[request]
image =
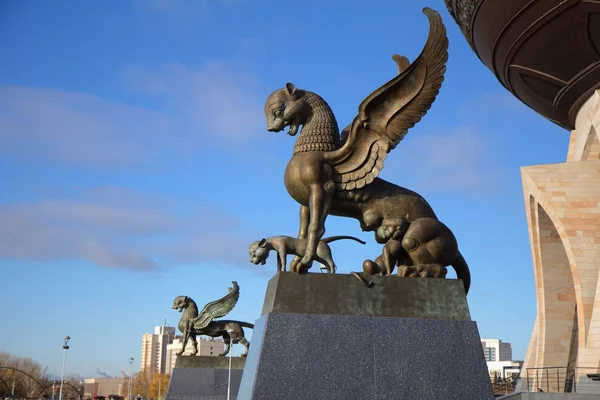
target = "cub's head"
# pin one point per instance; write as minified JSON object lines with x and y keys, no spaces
{"x":286,"y":107}
{"x":180,"y":303}
{"x":392,"y":229}
{"x":258,"y":252}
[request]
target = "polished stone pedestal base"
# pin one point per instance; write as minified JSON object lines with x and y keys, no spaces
{"x":204,"y":378}
{"x":418,"y":355}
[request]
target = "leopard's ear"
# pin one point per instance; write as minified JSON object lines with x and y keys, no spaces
{"x":262,"y":243}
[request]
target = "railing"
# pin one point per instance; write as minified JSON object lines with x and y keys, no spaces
{"x":545,"y":379}
{"x":582,"y":380}
{"x":503,"y":386}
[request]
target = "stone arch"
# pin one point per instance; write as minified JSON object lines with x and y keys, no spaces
{"x":557,"y":292}
{"x":591,"y":149}
{"x":548,"y":210}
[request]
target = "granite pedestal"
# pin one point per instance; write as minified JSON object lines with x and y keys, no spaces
{"x":204,"y":378}
{"x":330,"y":337}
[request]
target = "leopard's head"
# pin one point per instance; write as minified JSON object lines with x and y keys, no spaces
{"x":286,"y":107}
{"x":181,"y":303}
{"x":258,"y":252}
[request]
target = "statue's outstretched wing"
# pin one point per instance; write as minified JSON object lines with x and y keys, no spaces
{"x":218,"y":308}
{"x":387,"y":114}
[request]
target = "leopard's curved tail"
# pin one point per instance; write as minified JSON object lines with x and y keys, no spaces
{"x":240,"y":323}
{"x":462,"y":271}
{"x":334,"y":238}
{"x":246,"y":324}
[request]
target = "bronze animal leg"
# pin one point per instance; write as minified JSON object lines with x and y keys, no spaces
{"x":389,"y":262}
{"x":327,"y":262}
{"x":430,"y":246}
{"x":281,"y":261}
{"x":373,"y":267}
{"x":242,"y":340}
{"x":186,"y":337}
{"x":303,"y":231}
{"x":319,"y":204}
{"x":226,"y":339}
{"x":304,"y":220}
{"x":194,"y":343}
{"x":432,"y":270}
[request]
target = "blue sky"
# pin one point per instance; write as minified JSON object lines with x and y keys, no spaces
{"x":135,"y":165}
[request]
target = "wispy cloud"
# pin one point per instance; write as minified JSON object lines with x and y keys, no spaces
{"x":453,"y":159}
{"x":133,"y":233}
{"x":77,"y":127}
{"x":222,"y":101}
{"x":463,"y":156}
{"x":203,"y":107}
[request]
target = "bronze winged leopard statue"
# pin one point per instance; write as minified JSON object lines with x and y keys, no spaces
{"x":337,"y":173}
{"x":193,"y":323}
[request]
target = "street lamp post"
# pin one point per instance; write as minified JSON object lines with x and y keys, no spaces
{"x":229,"y":331}
{"x":62,"y":375}
{"x":159,"y":379}
{"x":129,"y":386}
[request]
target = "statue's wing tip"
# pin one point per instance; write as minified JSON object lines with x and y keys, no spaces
{"x":432,"y":14}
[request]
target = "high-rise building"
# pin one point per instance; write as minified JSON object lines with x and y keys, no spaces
{"x":154,"y":349}
{"x":206,"y":347}
{"x":496,"y":350}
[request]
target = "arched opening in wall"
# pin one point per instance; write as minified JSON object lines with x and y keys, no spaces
{"x":591,"y":150}
{"x":559,"y":307}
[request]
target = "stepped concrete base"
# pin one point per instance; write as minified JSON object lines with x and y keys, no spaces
{"x":204,"y":378}
{"x":330,"y":337}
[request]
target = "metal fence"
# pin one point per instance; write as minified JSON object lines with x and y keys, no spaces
{"x":582,"y":380}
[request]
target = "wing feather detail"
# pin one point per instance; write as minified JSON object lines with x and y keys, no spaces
{"x":386,"y":115}
{"x":218,"y":308}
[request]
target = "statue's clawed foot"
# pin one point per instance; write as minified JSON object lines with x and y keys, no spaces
{"x":300,"y":265}
{"x":407,"y":271}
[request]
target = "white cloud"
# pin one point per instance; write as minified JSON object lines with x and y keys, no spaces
{"x":203,"y":108}
{"x":135,"y":233}
{"x":454,"y":159}
{"x":224,"y":102}
{"x":461,"y":155}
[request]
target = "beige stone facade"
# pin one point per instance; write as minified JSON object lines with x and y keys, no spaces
{"x":563,"y":215}
{"x":104,"y":387}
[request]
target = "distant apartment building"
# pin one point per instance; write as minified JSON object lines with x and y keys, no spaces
{"x":103,"y":387}
{"x":154,"y":349}
{"x":496,"y":350}
{"x":498,"y":357}
{"x":206,"y":347}
{"x":504,"y":369}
